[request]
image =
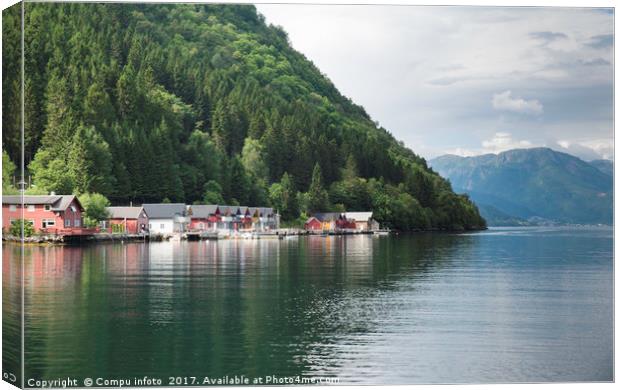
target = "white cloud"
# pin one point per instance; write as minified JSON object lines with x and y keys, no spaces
{"x":505,"y":102}
{"x":504,"y":141}
{"x":500,"y":142}
{"x":462,"y":152}
{"x":588,"y":149}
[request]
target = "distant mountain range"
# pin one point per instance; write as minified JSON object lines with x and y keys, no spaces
{"x":533,"y":186}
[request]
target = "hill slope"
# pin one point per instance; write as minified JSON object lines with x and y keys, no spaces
{"x":536,"y":182}
{"x":203,"y":103}
{"x":605,"y":166}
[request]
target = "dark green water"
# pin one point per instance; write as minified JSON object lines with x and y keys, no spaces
{"x":510,"y":305}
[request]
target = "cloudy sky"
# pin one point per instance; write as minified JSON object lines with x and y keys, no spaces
{"x":468,"y":80}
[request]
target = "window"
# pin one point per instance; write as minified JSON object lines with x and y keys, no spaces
{"x":30,"y":207}
{"x":67,"y":222}
{"x":47,"y":207}
{"x":12,"y":207}
{"x":161,"y":226}
{"x":73,"y":208}
{"x":31,"y":222}
{"x":150,"y":226}
{"x":48,"y":223}
{"x":76,"y":223}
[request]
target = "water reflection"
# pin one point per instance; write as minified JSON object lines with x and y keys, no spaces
{"x":11,"y":313}
{"x":367,"y":309}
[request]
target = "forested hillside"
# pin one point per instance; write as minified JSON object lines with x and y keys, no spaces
{"x":202,"y":103}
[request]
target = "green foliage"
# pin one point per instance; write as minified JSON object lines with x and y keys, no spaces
{"x":213,"y":193}
{"x":253,"y":159}
{"x":161,"y":100}
{"x":118,"y":228}
{"x":8,"y":170}
{"x":34,"y":190}
{"x":50,"y":174}
{"x":283,"y":198}
{"x":89,"y":163}
{"x":318,"y":200}
{"x":239,"y":182}
{"x":94,"y":208}
{"x":16,"y":228}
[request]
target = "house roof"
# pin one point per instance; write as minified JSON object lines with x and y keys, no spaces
{"x":224,"y":210}
{"x":359,"y":215}
{"x":124,"y":212}
{"x":312,"y":218}
{"x":163,"y":210}
{"x":327,"y":216}
{"x":203,"y":210}
{"x":57,"y":202}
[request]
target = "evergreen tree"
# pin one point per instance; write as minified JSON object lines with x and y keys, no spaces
{"x":220,"y":128}
{"x":89,"y":163}
{"x":61,"y":117}
{"x":349,"y":172}
{"x":283,"y":198}
{"x":239,"y":182}
{"x":8,"y":170}
{"x":213,"y":193}
{"x":252,"y":158}
{"x":318,"y":199}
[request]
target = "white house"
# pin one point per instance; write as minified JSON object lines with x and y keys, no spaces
{"x":166,"y":218}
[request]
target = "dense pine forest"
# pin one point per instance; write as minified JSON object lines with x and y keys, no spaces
{"x":201,"y":103}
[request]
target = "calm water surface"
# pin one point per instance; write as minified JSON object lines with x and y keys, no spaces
{"x":506,"y":305}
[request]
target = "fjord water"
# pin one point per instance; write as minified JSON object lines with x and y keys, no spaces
{"x":505,"y":305}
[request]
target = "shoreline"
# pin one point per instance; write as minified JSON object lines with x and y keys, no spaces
{"x":204,"y":236}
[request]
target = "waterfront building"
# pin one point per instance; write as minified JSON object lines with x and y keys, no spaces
{"x":313,"y":224}
{"x":166,"y":218}
{"x":130,"y":220}
{"x":362,"y":220}
{"x":350,"y":221}
{"x":327,"y":222}
{"x":203,"y":217}
{"x":54,"y":214}
{"x":267,"y":219}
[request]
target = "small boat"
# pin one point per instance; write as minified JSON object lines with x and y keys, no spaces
{"x":382,"y":232}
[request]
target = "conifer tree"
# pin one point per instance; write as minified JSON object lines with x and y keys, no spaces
{"x":317,"y":196}
{"x":89,"y":162}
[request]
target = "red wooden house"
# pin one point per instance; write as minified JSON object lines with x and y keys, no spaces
{"x":56,"y":214}
{"x":203,"y":217}
{"x":131,"y":220}
{"x":313,"y":224}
